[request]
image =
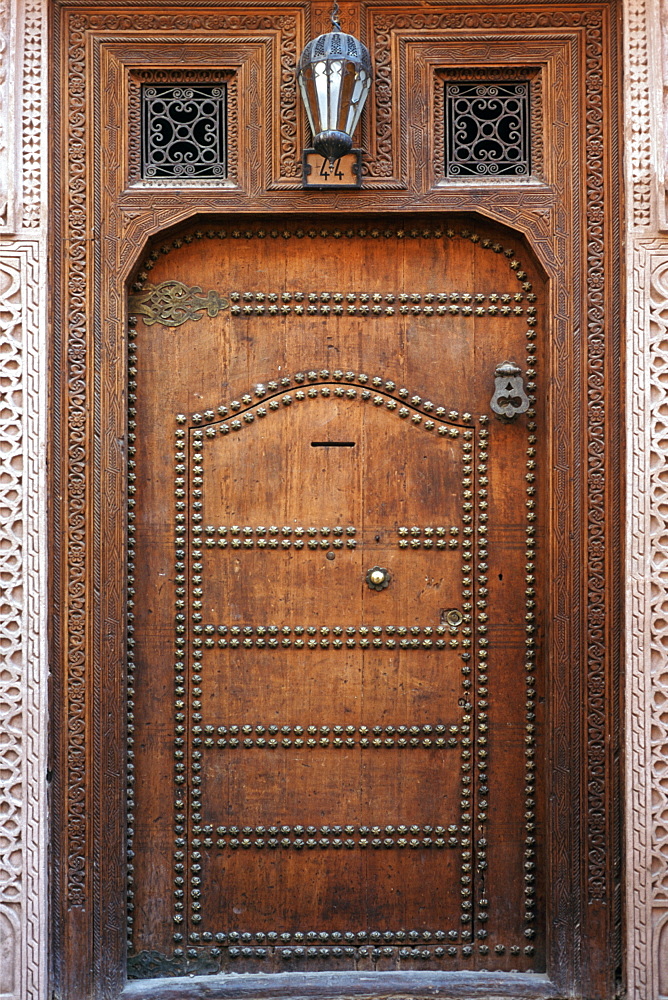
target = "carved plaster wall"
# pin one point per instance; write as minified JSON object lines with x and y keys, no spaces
{"x":23,"y":602}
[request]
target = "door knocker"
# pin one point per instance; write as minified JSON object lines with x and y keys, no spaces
{"x":509,"y":399}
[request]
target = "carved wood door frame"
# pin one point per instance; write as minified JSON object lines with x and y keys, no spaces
{"x":568,"y":212}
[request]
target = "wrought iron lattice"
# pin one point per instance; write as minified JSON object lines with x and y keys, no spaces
{"x":487,"y":129}
{"x":184,"y":131}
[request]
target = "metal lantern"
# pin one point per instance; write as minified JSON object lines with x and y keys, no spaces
{"x":335,"y":79}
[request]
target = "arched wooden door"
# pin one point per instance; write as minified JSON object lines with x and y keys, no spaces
{"x":334,"y":662}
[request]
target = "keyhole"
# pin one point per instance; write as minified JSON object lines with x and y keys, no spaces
{"x":377,"y":538}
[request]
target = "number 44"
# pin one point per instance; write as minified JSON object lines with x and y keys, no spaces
{"x":334,"y":171}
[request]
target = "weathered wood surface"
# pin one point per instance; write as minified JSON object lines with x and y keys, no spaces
{"x":103,"y":220}
{"x":351,"y":773}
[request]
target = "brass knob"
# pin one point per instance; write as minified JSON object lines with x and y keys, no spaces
{"x":378,"y":578}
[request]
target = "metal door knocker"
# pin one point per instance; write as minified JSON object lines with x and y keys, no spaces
{"x":509,"y":399}
{"x":378,"y":578}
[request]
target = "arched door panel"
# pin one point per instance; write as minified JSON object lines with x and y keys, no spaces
{"x":335,"y":602}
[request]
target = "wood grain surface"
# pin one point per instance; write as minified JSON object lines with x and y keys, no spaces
{"x":345,"y":767}
{"x":115,"y":235}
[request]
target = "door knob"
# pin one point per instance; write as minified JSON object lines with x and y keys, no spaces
{"x":378,"y":578}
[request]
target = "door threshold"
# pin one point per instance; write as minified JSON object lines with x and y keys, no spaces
{"x":323,"y":985}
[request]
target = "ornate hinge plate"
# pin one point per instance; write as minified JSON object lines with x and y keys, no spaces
{"x":172,"y":303}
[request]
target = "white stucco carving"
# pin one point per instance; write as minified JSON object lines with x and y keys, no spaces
{"x":646,"y":114}
{"x":23,"y":820}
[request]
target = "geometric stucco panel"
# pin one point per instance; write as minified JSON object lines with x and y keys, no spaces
{"x":647,"y":503}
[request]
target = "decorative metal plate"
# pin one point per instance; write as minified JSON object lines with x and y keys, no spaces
{"x":487,"y":129}
{"x":183,"y":130}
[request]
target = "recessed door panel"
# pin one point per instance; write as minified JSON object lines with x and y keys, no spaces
{"x":335,"y":601}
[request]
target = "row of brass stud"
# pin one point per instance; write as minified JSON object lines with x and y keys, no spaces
{"x":324,"y":375}
{"x":400,"y":306}
{"x":232,"y":742}
{"x":273,"y":730}
{"x":428,"y":543}
{"x":261,"y":643}
{"x":286,"y":530}
{"x":481,"y":619}
{"x":130,"y":626}
{"x":374,"y":937}
{"x":530,"y":663}
{"x":276,"y":543}
{"x":179,"y":717}
{"x":361,"y":952}
{"x":415,"y":531}
{"x":361,"y":232}
{"x":349,"y":830}
{"x":338,"y":392}
{"x":349,"y":843}
{"x":465,"y":726}
{"x":311,"y":543}
{"x":373,"y":631}
{"x":375,"y":298}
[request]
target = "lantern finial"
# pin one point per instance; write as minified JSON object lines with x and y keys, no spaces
{"x":334,"y":16}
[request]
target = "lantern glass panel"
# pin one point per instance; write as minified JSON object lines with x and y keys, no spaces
{"x":306,"y":84}
{"x":335,"y":79}
{"x":360,"y":91}
{"x":322,"y":90}
{"x":335,"y":95}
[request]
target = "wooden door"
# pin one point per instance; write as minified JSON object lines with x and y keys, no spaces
{"x":334,"y":661}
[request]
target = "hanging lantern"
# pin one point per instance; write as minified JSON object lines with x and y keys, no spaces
{"x":334,"y":78}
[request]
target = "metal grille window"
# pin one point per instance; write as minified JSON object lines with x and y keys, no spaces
{"x":487,"y":129}
{"x":183,"y":131}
